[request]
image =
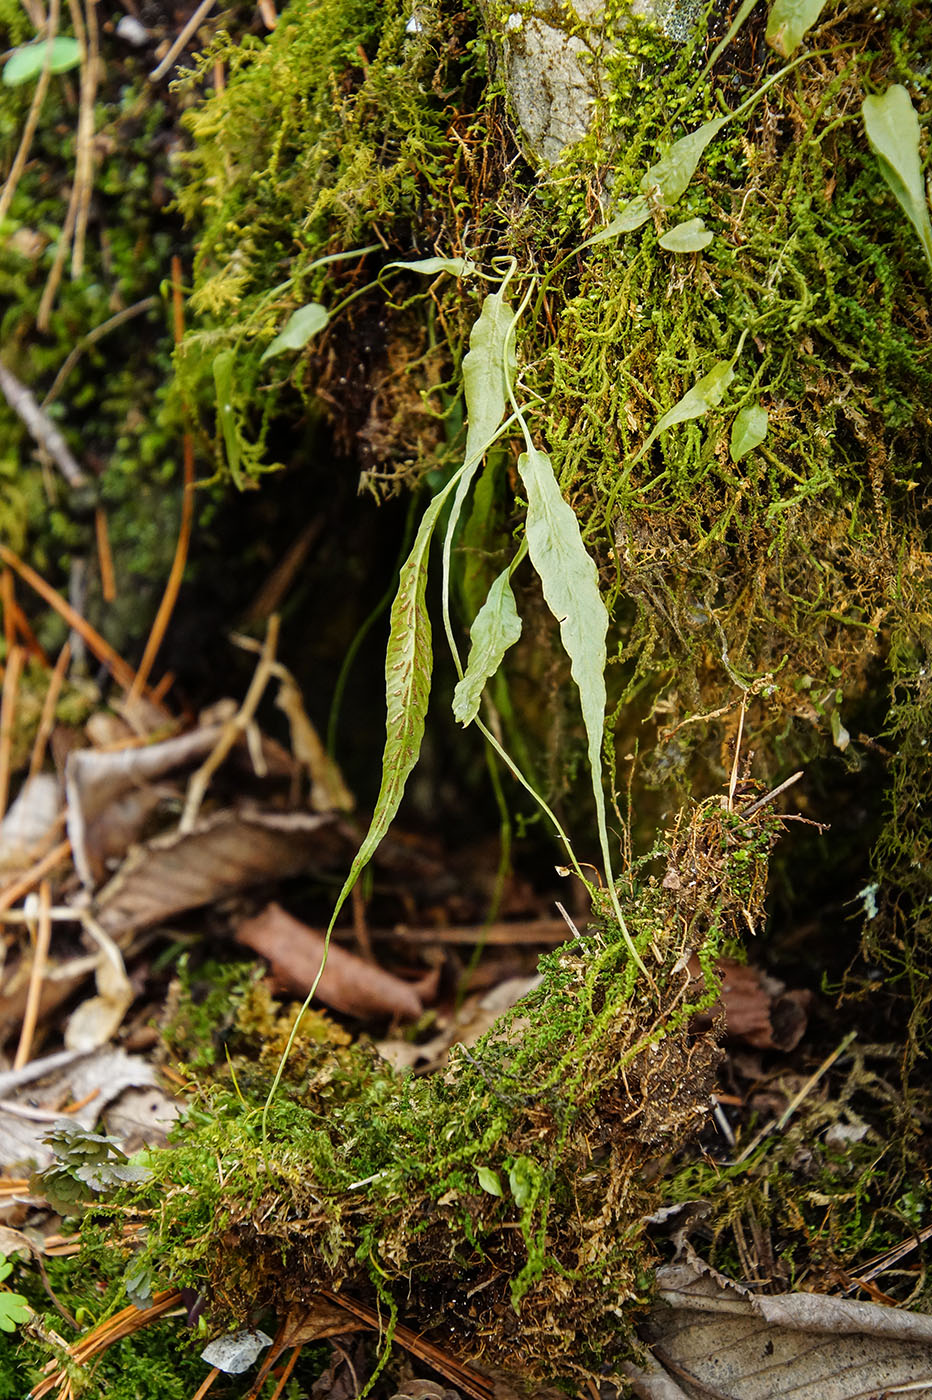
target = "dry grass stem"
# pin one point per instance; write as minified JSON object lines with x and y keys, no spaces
{"x":35,"y":110}
{"x":780,"y":1123}
{"x":127,"y":314}
{"x":190,"y":28}
{"x":105,"y":558}
{"x":43,"y":937}
{"x":47,"y":717}
{"x":17,"y":888}
{"x":14,"y":667}
{"x":88,"y":38}
{"x":197,"y":787}
{"x":176,"y":573}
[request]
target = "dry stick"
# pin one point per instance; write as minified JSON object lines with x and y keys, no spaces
{"x":14,"y":666}
{"x":268,"y":13}
{"x":84,"y":161}
{"x":780,"y":1123}
{"x":47,"y":718}
{"x":207,"y":1382}
{"x":8,"y":603}
{"x":17,"y":888}
{"x":733,"y":781}
{"x":286,"y":1373}
{"x":197,"y":787}
{"x":105,"y":559}
{"x":32,"y":120}
{"x":33,"y":645}
{"x":119,"y":669}
{"x":760,"y":802}
{"x":85,"y":343}
{"x":36,"y":15}
{"x":455,"y":1371}
{"x":65,"y":238}
{"x":176,"y":574}
{"x":44,"y":314}
{"x":40,"y":959}
{"x":40,"y":425}
{"x":202,"y":11}
{"x":114,"y":1329}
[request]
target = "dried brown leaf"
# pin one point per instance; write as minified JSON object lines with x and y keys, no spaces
{"x":111,"y":795}
{"x":226,"y":852}
{"x":713,"y":1337}
{"x":347,"y":984}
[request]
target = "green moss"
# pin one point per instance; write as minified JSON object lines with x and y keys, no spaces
{"x":513,"y":1178}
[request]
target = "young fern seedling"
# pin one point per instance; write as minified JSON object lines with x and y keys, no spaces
{"x":570,"y":585}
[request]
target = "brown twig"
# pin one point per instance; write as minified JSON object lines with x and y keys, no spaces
{"x":202,"y":11}
{"x":35,"y":111}
{"x":176,"y":573}
{"x":459,"y":1375}
{"x":47,"y":718}
{"x":105,"y":559}
{"x":286,"y":1373}
{"x":8,"y":603}
{"x":121,"y":671}
{"x":17,"y":888}
{"x":197,"y":787}
{"x":14,"y":666}
{"x":99,"y":1338}
{"x":87,"y":37}
{"x":23,"y":628}
{"x":40,"y":957}
{"x":207,"y":1382}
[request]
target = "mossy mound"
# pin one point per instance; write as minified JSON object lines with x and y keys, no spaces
{"x":502,"y":1202}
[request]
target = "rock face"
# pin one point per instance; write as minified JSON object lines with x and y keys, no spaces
{"x":555,"y":57}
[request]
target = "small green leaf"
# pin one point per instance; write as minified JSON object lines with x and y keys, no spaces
{"x":487,"y":370}
{"x":524,"y":1178}
{"x":27,"y":62}
{"x":748,"y":430}
{"x":6,"y":1268}
{"x":570,"y":583}
{"x":788,"y":22}
{"x":226,"y":417}
{"x":706,"y":393}
{"x":689,"y":237}
{"x":14,"y":1311}
{"x":301,"y":325}
{"x":668,"y":179}
{"x":489,"y":1181}
{"x":457,"y":267}
{"x":893,"y":133}
{"x":630,"y":217}
{"x":496,"y":628}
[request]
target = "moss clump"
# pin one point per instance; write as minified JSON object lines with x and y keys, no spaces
{"x":504,"y":1199}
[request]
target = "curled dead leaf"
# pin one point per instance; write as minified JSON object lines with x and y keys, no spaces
{"x":347,"y":984}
